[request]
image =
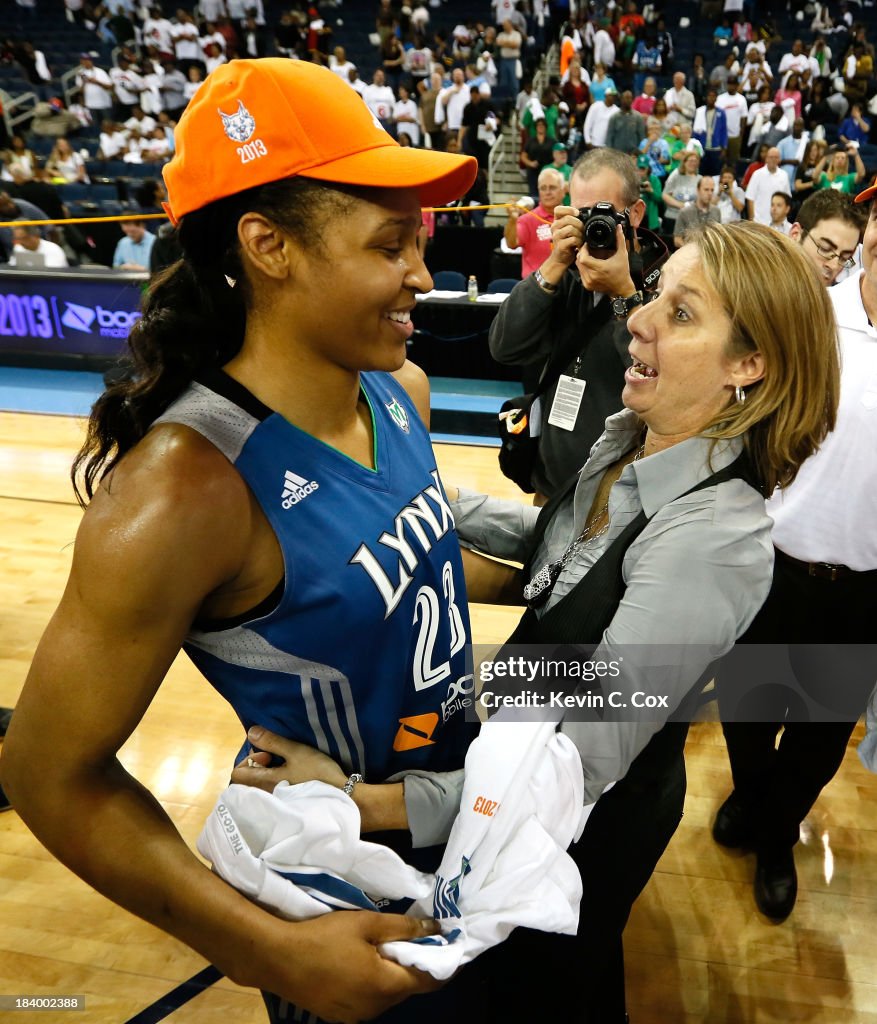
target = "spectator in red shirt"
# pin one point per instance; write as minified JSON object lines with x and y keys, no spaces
{"x":531,"y":229}
{"x":645,"y":103}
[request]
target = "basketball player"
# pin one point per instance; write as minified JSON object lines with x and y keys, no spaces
{"x":263,"y":493}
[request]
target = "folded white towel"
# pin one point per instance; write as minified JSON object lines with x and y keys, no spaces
{"x":505,"y":865}
{"x":297,"y":851}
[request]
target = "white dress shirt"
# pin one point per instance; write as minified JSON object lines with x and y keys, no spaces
{"x":828,"y":514}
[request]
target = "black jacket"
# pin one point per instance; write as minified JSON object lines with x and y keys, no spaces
{"x":531,"y":324}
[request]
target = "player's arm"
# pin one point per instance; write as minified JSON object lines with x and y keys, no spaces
{"x":172,"y":527}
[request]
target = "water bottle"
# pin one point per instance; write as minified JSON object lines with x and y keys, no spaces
{"x":472,"y":288}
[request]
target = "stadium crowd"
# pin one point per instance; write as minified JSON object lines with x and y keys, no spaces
{"x":764,"y":113}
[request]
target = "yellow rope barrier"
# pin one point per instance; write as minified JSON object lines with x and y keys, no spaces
{"x":82,"y":220}
{"x":487,"y":206}
{"x":120,"y":218}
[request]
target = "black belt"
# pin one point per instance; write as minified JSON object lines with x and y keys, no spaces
{"x":822,"y":570}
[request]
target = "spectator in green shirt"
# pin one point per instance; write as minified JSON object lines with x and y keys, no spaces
{"x":650,"y":189}
{"x":833,"y":170}
{"x":678,"y":142}
{"x":547,"y":109}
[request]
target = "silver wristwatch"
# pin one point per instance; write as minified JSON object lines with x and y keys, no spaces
{"x":621,"y":307}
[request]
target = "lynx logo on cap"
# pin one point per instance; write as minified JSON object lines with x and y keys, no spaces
{"x":238,"y":127}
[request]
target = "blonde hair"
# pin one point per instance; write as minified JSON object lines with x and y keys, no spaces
{"x":778,"y":307}
{"x":687,"y":155}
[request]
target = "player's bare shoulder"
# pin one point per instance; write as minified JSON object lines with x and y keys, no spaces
{"x":416,"y":383}
{"x":176,"y":491}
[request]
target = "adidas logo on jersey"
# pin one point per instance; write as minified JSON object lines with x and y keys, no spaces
{"x":296,"y":488}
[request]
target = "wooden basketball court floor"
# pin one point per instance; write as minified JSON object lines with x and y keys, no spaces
{"x":697,"y":950}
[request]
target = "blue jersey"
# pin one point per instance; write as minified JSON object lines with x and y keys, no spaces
{"x":361,"y":650}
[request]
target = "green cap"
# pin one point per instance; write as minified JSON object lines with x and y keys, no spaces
{"x":642,"y":160}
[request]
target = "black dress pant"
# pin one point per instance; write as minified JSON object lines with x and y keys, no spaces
{"x":829,"y":625}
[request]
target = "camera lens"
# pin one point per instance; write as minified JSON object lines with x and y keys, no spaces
{"x":600,"y":233}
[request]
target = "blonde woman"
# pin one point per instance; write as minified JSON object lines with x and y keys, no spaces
{"x":833,"y":170}
{"x":65,"y":165}
{"x":660,"y":554}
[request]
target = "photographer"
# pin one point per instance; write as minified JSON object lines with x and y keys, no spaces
{"x":729,"y":198}
{"x":569,"y":316}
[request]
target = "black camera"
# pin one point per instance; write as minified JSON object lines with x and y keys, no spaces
{"x":598,"y":227}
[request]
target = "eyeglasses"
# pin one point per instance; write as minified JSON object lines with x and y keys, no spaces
{"x":846,"y":262}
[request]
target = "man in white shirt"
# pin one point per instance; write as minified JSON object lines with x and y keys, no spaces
{"x":798,"y":61}
{"x":451,"y":102}
{"x":355,"y":82}
{"x":185,"y":36}
{"x":380,"y":98}
{"x":780,"y":207}
{"x":128,"y":85}
{"x":405,"y":116}
{"x":680,"y":102}
{"x":158,"y":32}
{"x":755,"y":73}
{"x":142,"y":122}
{"x":340,"y":65}
{"x":509,"y":42}
{"x":735,"y":109}
{"x":762,"y":185}
{"x":96,"y":86}
{"x":729,"y":198}
{"x":821,"y":604}
{"x":28,"y":239}
{"x":151,"y":99}
{"x":502,"y":9}
{"x":597,"y":119}
{"x":792,"y":148}
{"x":604,"y":48}
{"x":113,"y":141}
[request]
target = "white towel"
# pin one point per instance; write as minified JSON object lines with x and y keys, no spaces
{"x":297,"y":851}
{"x":505,"y":865}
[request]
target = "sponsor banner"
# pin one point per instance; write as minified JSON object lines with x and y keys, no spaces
{"x":66,"y":316}
{"x":666,"y":682}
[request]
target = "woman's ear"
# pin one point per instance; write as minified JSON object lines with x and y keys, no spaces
{"x":747,"y":370}
{"x":264,"y":246}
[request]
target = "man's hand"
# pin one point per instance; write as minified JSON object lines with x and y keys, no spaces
{"x":612,"y":275}
{"x":566,"y":239}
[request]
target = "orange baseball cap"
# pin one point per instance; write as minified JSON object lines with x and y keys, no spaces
{"x":255,"y":121}
{"x":868,"y":193}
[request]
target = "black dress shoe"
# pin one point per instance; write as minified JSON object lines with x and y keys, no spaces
{"x":5,"y":805}
{"x":5,"y":719}
{"x":733,"y":826}
{"x":776,"y":884}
